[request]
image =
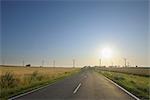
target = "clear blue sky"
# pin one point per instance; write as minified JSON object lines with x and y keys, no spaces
{"x":66,"y":30}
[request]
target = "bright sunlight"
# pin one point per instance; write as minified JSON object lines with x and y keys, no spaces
{"x":106,"y":52}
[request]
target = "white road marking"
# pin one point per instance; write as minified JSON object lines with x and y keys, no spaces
{"x":77,"y":88}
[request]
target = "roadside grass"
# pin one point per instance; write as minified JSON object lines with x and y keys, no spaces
{"x":12,"y":84}
{"x":141,"y":71}
{"x":137,"y":85}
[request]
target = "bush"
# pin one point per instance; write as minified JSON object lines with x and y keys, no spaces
{"x":36,"y":76}
{"x":66,"y":72}
{"x":8,"y":80}
{"x":132,"y":82}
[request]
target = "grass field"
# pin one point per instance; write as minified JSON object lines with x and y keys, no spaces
{"x":141,"y":71}
{"x":138,"y":85}
{"x":16,"y":80}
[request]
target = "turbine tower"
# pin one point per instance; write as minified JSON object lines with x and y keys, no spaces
{"x":54,"y":63}
{"x":100,"y":62}
{"x":73,"y":62}
{"x":125,"y":62}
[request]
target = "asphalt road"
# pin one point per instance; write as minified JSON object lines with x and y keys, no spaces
{"x":87,"y":85}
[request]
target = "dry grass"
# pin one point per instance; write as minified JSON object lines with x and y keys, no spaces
{"x":22,"y":71}
{"x":16,"y":80}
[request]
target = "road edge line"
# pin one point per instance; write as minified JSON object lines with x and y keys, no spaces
{"x":26,"y":93}
{"x":77,"y":88}
{"x":130,"y":94}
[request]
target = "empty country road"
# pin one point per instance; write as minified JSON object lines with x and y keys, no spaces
{"x":87,"y":85}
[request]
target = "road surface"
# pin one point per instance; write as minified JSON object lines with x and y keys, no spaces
{"x":87,"y":85}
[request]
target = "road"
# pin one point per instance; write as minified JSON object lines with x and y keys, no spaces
{"x":87,"y":85}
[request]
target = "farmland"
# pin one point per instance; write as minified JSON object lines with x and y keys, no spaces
{"x":141,"y":71}
{"x":21,"y":71}
{"x":16,"y":80}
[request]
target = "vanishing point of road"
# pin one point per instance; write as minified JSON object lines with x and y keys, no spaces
{"x":86,"y":85}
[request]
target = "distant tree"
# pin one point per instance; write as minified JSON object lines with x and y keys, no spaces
{"x":136,"y":66}
{"x":28,"y":65}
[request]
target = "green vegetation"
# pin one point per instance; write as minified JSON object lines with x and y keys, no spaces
{"x":137,"y":85}
{"x":11,"y":84}
{"x":141,"y":71}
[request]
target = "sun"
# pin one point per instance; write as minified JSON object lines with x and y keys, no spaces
{"x":106,"y":52}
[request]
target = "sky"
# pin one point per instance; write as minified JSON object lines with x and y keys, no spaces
{"x":62,"y":30}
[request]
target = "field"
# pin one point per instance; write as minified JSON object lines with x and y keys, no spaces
{"x":21,"y":71}
{"x":137,"y":85}
{"x":141,"y":71}
{"x":16,"y":80}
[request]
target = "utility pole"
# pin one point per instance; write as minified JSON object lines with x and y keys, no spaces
{"x":112,"y":63}
{"x":53,"y":63}
{"x":42,"y":63}
{"x":23,"y":63}
{"x":128,"y":64}
{"x":3,"y":61}
{"x":125,"y":61}
{"x":100,"y":61}
{"x":73,"y":63}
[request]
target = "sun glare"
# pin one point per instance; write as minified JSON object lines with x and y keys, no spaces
{"x":106,"y":53}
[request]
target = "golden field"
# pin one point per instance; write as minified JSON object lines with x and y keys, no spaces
{"x":15,"y":80}
{"x":22,"y":71}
